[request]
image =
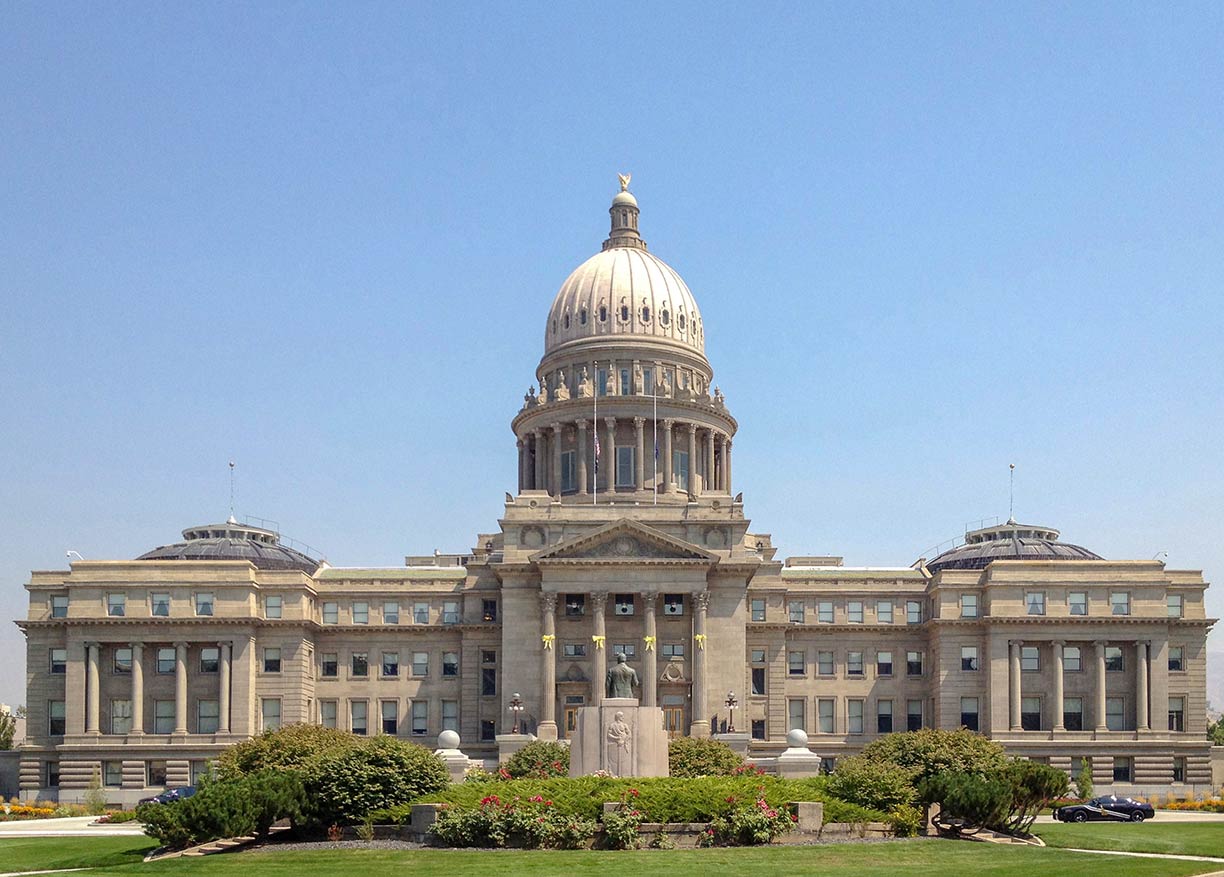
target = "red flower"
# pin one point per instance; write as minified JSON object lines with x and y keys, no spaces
{"x":548,"y":803}
{"x":730,"y":799}
{"x":634,"y":792}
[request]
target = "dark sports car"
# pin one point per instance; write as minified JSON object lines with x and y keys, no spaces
{"x":170,"y":795}
{"x":1108,"y":807}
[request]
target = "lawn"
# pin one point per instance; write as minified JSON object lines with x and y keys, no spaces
{"x":44,"y":853}
{"x":919,"y":858}
{"x":1183,"y":838}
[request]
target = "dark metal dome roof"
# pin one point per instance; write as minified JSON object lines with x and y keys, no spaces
{"x":1010,"y":541}
{"x":234,"y":541}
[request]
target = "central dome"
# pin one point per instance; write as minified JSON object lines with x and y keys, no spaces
{"x":625,"y":290}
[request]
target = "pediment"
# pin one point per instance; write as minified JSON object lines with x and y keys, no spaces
{"x":625,"y":541}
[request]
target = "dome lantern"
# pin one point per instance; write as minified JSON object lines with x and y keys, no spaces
{"x":624,"y":212}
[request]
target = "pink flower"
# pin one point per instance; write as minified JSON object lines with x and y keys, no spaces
{"x":536,"y":799}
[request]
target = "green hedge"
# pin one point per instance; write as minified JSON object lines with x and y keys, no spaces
{"x":663,"y":799}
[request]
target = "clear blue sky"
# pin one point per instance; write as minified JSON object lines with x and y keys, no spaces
{"x":928,"y":240}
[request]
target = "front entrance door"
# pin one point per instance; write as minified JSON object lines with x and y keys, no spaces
{"x":673,"y":715}
{"x":573,"y":703}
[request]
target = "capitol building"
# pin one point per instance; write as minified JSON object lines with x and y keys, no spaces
{"x":627,"y":534}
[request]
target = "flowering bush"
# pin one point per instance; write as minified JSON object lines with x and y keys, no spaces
{"x":1209,"y":805}
{"x":531,"y":824}
{"x":539,"y":758}
{"x":623,"y":828}
{"x":14,"y":812}
{"x":752,"y":824}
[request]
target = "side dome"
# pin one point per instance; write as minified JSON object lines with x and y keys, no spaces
{"x":1010,"y":541}
{"x":234,"y":541}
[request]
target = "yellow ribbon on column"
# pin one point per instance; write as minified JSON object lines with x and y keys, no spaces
{"x":599,"y":641}
{"x":548,"y":639}
{"x":650,"y":641}
{"x":700,"y":639}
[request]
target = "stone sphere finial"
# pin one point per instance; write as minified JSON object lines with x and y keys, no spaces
{"x":797,"y":739}
{"x":448,"y":740}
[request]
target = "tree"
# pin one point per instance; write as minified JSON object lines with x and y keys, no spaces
{"x":345,"y":786}
{"x":930,"y":752}
{"x":1083,"y":780}
{"x":1215,"y":732}
{"x":292,"y":747}
{"x":8,"y":729}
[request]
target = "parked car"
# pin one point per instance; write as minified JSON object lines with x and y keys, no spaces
{"x":170,"y":795}
{"x":1107,"y":807}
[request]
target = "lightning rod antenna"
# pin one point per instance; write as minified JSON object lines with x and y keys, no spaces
{"x":1011,"y":490}
{"x":231,"y":468}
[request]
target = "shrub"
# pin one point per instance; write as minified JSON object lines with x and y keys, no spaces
{"x":539,"y":758}
{"x":752,"y":825}
{"x":114,"y":817}
{"x":701,"y":757}
{"x":226,"y":808}
{"x":95,"y":798}
{"x":351,"y":783}
{"x":906,"y":821}
{"x":623,"y":828}
{"x":291,"y":747}
{"x":1083,"y":780}
{"x":531,"y":824}
{"x":930,"y":752}
{"x":968,"y":802}
{"x":1033,"y":785}
{"x":882,"y":785}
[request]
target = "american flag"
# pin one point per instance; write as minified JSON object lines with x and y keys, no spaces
{"x":596,"y":450}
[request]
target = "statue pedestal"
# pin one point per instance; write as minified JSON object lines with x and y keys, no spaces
{"x":621,"y":737}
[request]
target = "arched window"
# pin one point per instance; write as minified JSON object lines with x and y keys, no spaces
{"x":554,"y":327}
{"x":664,"y":316}
{"x":624,"y":313}
{"x":567,"y":320}
{"x":645,"y":313}
{"x":603,"y":313}
{"x":681,"y":322}
{"x":582,"y":316}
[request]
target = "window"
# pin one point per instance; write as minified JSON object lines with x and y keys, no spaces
{"x":488,"y":610}
{"x":673,"y":651}
{"x":795,"y":611}
{"x":270,"y":714}
{"x":156,"y":773}
{"x":450,"y":612}
{"x":121,"y":717}
{"x":623,"y":604}
{"x":913,"y":663}
{"x":913,"y":715}
{"x":824,"y":711}
{"x":1177,"y":714}
{"x":204,"y":604}
{"x":884,"y":716}
{"x":1030,"y":658}
{"x":59,"y":660}
{"x":359,"y":717}
{"x":165,"y":660}
{"x":575,"y":650}
{"x":450,"y":664}
{"x":210,"y":659}
{"x":1114,"y":717}
{"x":854,"y":663}
{"x":758,"y":671}
{"x":56,"y":720}
{"x":331,"y":613}
{"x":1177,"y":659}
{"x":913,"y":612}
{"x":1121,"y":769}
{"x":112,"y":773}
{"x":673,"y":604}
{"x":969,"y":606}
{"x":328,"y":665}
{"x":758,"y":610}
{"x":758,"y":729}
{"x":420,"y":663}
{"x":854,"y":716}
{"x":824,"y":663}
{"x":796,"y":664}
{"x":626,"y":386}
{"x":1114,"y":660}
{"x":1119,"y":603}
{"x":360,"y":664}
{"x":390,"y":611}
{"x":420,"y":717}
{"x":1030,"y":713}
{"x":825,"y":613}
{"x":1179,"y":768}
{"x":569,"y":471}
{"x":327,"y":713}
{"x":796,"y":714}
{"x":116,"y":605}
{"x":390,"y":664}
{"x":420,"y":613}
{"x":389,"y":714}
{"x":274,"y":607}
{"x":969,"y":658}
{"x":450,"y":715}
{"x":1175,"y":606}
{"x":1073,"y":659}
{"x":1073,"y":713}
{"x":160,"y":605}
{"x":575,"y":605}
{"x":969,"y":713}
{"x":199,"y":769}
{"x":884,"y":612}
{"x":488,"y":681}
{"x":624,"y":465}
{"x":271,"y":660}
{"x":208,"y":716}
{"x":884,"y":663}
{"x":488,"y":656}
{"x":361,"y":612}
{"x":1034,"y":602}
{"x":601,"y":375}
{"x":854,"y":611}
{"x":680,"y":469}
{"x":163,"y":717}
{"x":59,"y":607}
{"x":488,"y":730}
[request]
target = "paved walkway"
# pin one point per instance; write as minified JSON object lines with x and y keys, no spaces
{"x":68,"y":826}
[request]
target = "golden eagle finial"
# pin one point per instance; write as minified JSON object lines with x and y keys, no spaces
{"x":624,"y":181}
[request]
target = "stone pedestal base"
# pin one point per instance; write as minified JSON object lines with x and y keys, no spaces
{"x":797,"y":761}
{"x":508,"y":744}
{"x":736,"y":740}
{"x":621,"y":737}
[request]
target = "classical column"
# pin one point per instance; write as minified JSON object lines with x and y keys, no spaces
{"x":708,"y":474}
{"x":639,"y":426}
{"x":180,"y":688}
{"x":137,"y":688}
{"x":556,"y":455}
{"x":610,"y":423}
{"x":667,"y":456}
{"x":582,"y":467}
{"x":93,"y":708}
{"x":537,"y":479}
{"x":1058,"y":685}
{"x":547,"y":727}
{"x":1099,"y":718}
{"x":599,"y":646}
{"x":692,"y":456}
{"x":223,"y":695}
{"x":1013,"y":694}
{"x":727,"y":464}
{"x":700,"y":724}
{"x":1141,"y":686}
{"x":650,"y":645}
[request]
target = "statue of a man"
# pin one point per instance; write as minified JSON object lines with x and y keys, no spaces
{"x":621,"y":678}
{"x":620,"y":737}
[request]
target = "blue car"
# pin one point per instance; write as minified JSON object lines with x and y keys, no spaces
{"x":170,"y":795}
{"x":1109,"y":808}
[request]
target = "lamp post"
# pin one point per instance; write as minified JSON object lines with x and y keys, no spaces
{"x":516,"y":707}
{"x":731,"y":703}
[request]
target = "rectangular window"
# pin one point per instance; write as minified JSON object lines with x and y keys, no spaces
{"x":913,"y":612}
{"x":420,"y":663}
{"x":1073,"y":659}
{"x":884,"y":612}
{"x":450,"y":715}
{"x":854,"y":663}
{"x":1077,"y":603}
{"x":59,"y":607}
{"x":121,"y":717}
{"x":601,"y":382}
{"x":160,"y":605}
{"x":854,"y":611}
{"x":390,"y":665}
{"x":626,"y":385}
{"x":361,"y":612}
{"x":1179,"y":768}
{"x":359,"y":716}
{"x":270,"y":714}
{"x":1119,"y":603}
{"x":913,"y":715}
{"x":271,"y":660}
{"x":1115,"y":719}
{"x":156,"y":773}
{"x":329,"y":665}
{"x":1073,"y":713}
{"x":210,"y":659}
{"x":825,"y":612}
{"x":796,"y":664}
{"x":758,"y":729}
{"x":112,"y":774}
{"x":825,"y":707}
{"x":795,"y":611}
{"x":450,"y":665}
{"x":680,"y":469}
{"x":199,"y":769}
{"x":796,"y":714}
{"x":673,"y":651}
{"x":569,"y":471}
{"x":390,"y":612}
{"x":1034,"y":602}
{"x":913,"y":663}
{"x":884,"y":716}
{"x":1177,"y":659}
{"x":969,"y":713}
{"x":204,"y":604}
{"x":575,"y":650}
{"x":389,"y":714}
{"x":450,"y":612}
{"x":758,"y":610}
{"x":673,"y":604}
{"x":488,"y":656}
{"x":624,"y":465}
{"x":575,"y":605}
{"x":969,"y":606}
{"x":165,"y":660}
{"x":1121,"y":769}
{"x":1115,"y":662}
{"x":1030,"y":658}
{"x":623,"y":604}
{"x":208,"y":716}
{"x":648,"y":382}
{"x":488,"y":610}
{"x":360,"y":664}
{"x":884,"y":663}
{"x":331,"y":613}
{"x":969,"y":658}
{"x":488,"y":681}
{"x":824,"y":663}
{"x":488,"y":730}
{"x":1177,"y":714}
{"x":163,"y":717}
{"x":59,"y":660}
{"x":121,"y":662}
{"x":56,"y":718}
{"x":420,"y":718}
{"x":420,"y":613}
{"x":854,"y":716}
{"x":327,"y":713}
{"x":274,"y":607}
{"x":1175,"y":605}
{"x":116,"y":605}
{"x":758,"y":680}
{"x":1030,"y":713}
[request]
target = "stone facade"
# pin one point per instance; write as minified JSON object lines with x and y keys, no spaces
{"x":625,"y":534}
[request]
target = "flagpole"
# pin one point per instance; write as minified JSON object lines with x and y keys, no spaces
{"x":654,"y":467}
{"x":595,"y":444}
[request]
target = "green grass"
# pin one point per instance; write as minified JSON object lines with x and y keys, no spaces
{"x":1182,"y":838}
{"x":919,"y":858}
{"x":44,"y":853}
